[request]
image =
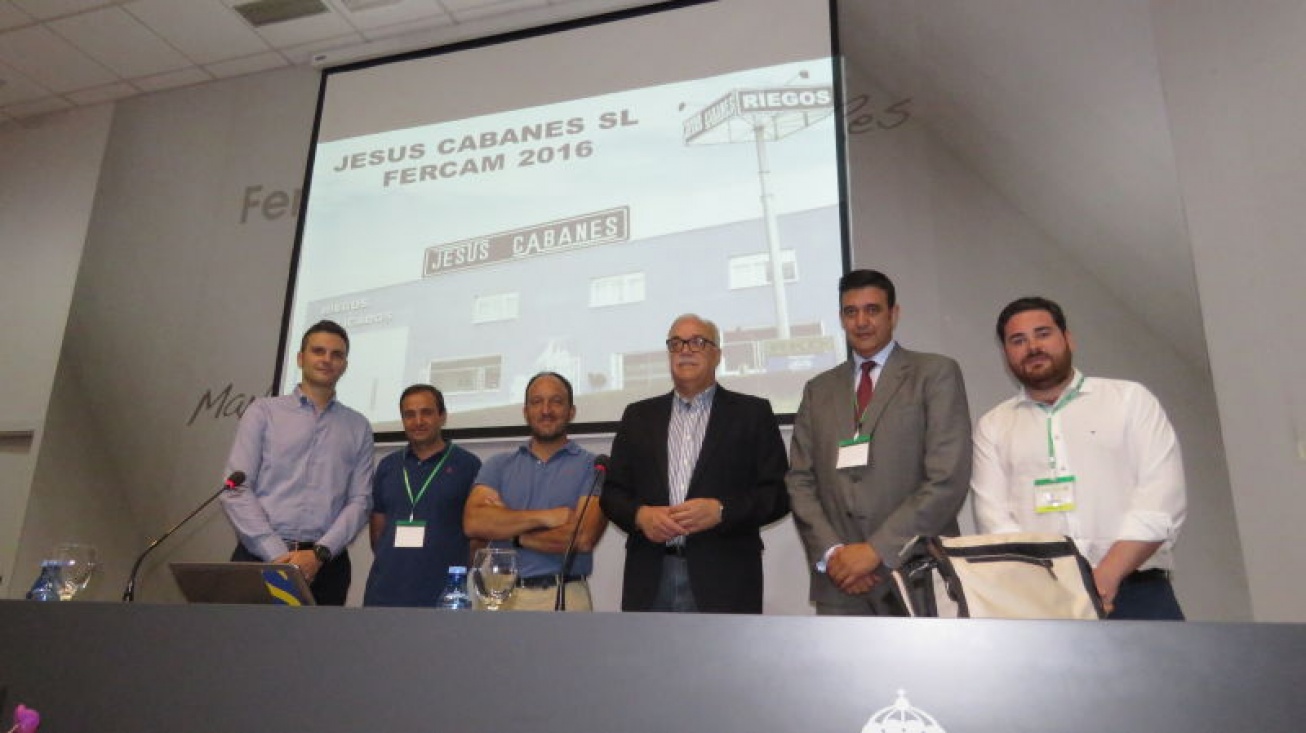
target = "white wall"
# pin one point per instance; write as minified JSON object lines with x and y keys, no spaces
{"x":51,"y":167}
{"x":1235,"y":90}
{"x":959,"y":251}
{"x":180,"y":295}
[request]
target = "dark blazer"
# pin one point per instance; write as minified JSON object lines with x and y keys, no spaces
{"x":919,"y":471}
{"x":742,"y":464}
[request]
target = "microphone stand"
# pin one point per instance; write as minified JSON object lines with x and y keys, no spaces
{"x":569,"y":557}
{"x":129,"y":593}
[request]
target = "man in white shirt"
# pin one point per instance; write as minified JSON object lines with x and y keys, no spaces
{"x":1095,"y":459}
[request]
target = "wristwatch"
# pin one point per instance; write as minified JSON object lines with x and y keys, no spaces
{"x":323,"y":553}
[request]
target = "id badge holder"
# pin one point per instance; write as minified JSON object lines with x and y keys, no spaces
{"x":410,"y":534}
{"x":1053,"y":495}
{"x":854,"y":452}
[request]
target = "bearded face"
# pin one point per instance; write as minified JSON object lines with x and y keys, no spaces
{"x":1039,"y":353}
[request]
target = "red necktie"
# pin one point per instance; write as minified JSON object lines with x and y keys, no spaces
{"x":864,"y":388}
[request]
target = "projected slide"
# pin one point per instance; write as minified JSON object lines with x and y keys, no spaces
{"x":473,"y":253}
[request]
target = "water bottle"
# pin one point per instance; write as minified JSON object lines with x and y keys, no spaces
{"x":46,"y":587}
{"x":454,"y":597}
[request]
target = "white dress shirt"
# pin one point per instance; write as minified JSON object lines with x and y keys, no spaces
{"x":1114,"y":438}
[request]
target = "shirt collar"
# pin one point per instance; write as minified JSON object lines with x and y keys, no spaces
{"x":408,"y":453}
{"x":306,"y":401}
{"x":571,"y":447}
{"x":1076,"y":376}
{"x":879,"y":357}
{"x":701,"y":399}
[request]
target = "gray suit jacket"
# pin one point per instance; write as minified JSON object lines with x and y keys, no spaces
{"x":919,"y":470}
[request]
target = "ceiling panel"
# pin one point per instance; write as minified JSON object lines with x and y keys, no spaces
{"x":50,"y":61}
{"x":120,"y":42}
{"x":56,"y":54}
{"x":106,"y":93}
{"x":247,"y":65}
{"x":173,"y":79}
{"x":475,"y":10}
{"x":416,"y":26}
{"x":406,"y":11}
{"x":50,"y":9}
{"x":11,"y":16}
{"x":35,"y":108}
{"x":205,"y":31}
{"x":303,"y":54}
{"x":17,"y":88}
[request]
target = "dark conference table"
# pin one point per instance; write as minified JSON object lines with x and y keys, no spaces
{"x":116,"y":667}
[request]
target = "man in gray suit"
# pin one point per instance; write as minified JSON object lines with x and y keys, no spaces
{"x":881,"y":452}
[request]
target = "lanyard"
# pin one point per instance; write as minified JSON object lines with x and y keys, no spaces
{"x":448,"y":449}
{"x":858,"y":419}
{"x":1054,"y":409}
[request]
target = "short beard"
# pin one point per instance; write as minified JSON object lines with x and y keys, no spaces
{"x":1058,"y":373}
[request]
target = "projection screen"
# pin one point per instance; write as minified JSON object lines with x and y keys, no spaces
{"x":552,"y":200}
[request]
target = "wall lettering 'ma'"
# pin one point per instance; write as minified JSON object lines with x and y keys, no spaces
{"x":224,"y":404}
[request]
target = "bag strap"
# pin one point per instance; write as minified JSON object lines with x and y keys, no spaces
{"x":912,"y":584}
{"x":939,"y":553}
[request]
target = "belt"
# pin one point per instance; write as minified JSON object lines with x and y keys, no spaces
{"x":1151,"y":575}
{"x":675,"y":550}
{"x":544,"y":582}
{"x":300,"y":546}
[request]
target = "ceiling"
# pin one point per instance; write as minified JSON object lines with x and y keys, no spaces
{"x":1060,"y":109}
{"x":57,"y":54}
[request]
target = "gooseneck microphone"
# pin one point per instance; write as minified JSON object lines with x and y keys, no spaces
{"x":233,"y":481}
{"x":569,"y":557}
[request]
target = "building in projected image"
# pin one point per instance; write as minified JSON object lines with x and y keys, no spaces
{"x":479,"y":338}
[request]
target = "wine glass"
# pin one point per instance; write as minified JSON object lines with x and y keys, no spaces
{"x":494,"y":575}
{"x":77,"y":565}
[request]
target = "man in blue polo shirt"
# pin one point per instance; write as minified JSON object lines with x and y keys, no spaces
{"x":417,"y":507}
{"x":532,"y":498}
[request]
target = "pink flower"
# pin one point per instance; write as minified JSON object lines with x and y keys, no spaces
{"x":26,"y":720}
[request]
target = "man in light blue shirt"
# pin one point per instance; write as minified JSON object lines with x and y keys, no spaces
{"x":308,"y":466}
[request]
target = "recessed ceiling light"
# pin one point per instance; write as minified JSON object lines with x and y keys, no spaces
{"x":266,"y":12}
{"x":355,"y":6}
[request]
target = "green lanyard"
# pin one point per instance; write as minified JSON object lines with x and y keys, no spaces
{"x":1054,"y":409}
{"x":857,"y":419}
{"x":447,"y":450}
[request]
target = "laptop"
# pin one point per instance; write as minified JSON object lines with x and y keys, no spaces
{"x":265,"y":583}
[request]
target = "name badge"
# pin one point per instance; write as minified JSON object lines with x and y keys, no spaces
{"x":1053,"y":495}
{"x":410,"y":534}
{"x":854,"y":452}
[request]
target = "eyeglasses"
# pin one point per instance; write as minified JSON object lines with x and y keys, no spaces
{"x":696,"y":344}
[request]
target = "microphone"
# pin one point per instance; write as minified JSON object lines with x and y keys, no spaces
{"x":234,"y":481}
{"x":569,"y":557}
